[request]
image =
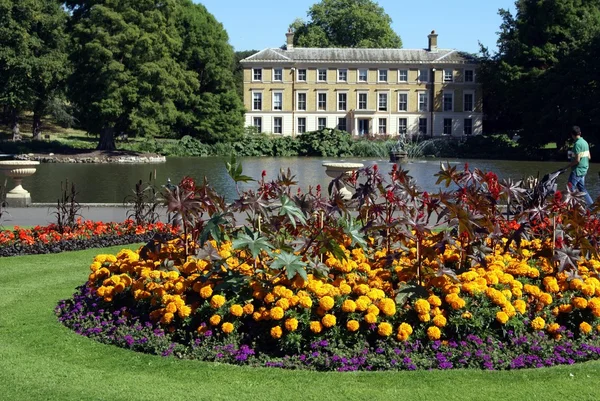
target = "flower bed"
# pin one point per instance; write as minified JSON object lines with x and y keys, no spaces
{"x":85,"y":234}
{"x":387,"y":293}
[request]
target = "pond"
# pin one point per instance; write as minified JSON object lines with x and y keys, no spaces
{"x":111,"y":183}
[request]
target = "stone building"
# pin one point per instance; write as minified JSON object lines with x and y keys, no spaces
{"x":429,"y":92}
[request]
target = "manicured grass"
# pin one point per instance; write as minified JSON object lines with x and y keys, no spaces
{"x":42,"y":360}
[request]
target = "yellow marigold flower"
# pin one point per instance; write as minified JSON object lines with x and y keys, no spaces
{"x":269,"y":298}
{"x":348,"y":306}
{"x":236,"y":310}
{"x":326,"y":303}
{"x":387,"y":306}
{"x":171,"y":307}
{"x":283,"y":303}
{"x":184,"y":311}
{"x":422,"y":306}
{"x":316,"y":327}
{"x":402,"y":335}
{"x":538,"y":323}
{"x":276,"y":313}
{"x":361,"y":289}
{"x":215,"y":320}
{"x":502,"y":317}
{"x":370,"y":318}
{"x":276,"y":332}
{"x":352,"y":325}
{"x":227,"y":327}
{"x":345,"y":289}
{"x":579,"y":302}
{"x":553,"y":328}
{"x":373,"y":309}
{"x":291,"y":324}
{"x":565,"y":308}
{"x":585,"y":327}
{"x":248,"y":309}
{"x":217,"y":301}
{"x":306,"y":302}
{"x":576,"y":284}
{"x":329,"y":320}
{"x":458,"y":303}
{"x":384,"y":329}
{"x":545,"y":298}
{"x":434,"y":333}
{"x":167,"y":318}
{"x":424,"y":317}
{"x":439,"y":321}
{"x":434,"y":300}
{"x":467,"y":315}
{"x":405,"y":327}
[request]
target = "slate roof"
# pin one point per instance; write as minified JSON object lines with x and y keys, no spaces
{"x":356,"y":55}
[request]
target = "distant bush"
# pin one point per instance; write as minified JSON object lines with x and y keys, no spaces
{"x":326,"y":143}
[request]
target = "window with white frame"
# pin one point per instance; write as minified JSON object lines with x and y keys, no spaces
{"x":402,"y":101}
{"x":447,"y":126}
{"x":342,"y":75}
{"x":257,"y":74}
{"x":468,"y":126}
{"x":277,"y":101}
{"x":382,"y":103}
{"x":448,"y":101}
{"x":362,"y":100}
{"x":363,"y":75}
{"x":402,"y":125}
{"x":301,"y":74}
{"x":402,"y":75}
{"x":382,"y":75}
{"x":423,"y":101}
{"x":469,"y":76}
{"x":256,"y":101}
{"x":382,"y":126}
{"x":468,"y":102}
{"x":342,"y":101}
{"x":257,"y":123}
{"x":277,"y":74}
{"x":342,"y":124}
{"x":423,"y":126}
{"x":423,"y":75}
{"x":321,"y":101}
{"x":301,"y":103}
{"x":277,"y":125}
{"x":301,"y":125}
{"x":448,"y":75}
{"x":321,"y":123}
{"x":322,"y":75}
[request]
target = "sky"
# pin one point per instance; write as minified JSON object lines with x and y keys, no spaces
{"x":460,"y":24}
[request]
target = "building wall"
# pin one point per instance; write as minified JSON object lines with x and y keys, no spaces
{"x":290,"y":86}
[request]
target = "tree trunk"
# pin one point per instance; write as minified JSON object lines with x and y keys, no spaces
{"x":107,"y":139}
{"x":37,"y":126}
{"x":16,"y":131}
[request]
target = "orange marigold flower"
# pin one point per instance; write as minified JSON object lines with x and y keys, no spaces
{"x":439,"y":321}
{"x":276,"y":332}
{"x":227,"y":327}
{"x":352,"y":325}
{"x":579,"y":302}
{"x":422,"y":306}
{"x":434,"y":333}
{"x":501,"y":317}
{"x":434,"y":300}
{"x":276,"y":313}
{"x":236,"y":310}
{"x":215,"y":320}
{"x":248,"y":309}
{"x":316,"y":327}
{"x":348,"y":306}
{"x":405,"y":327}
{"x":384,"y":329}
{"x":217,"y":301}
{"x":326,"y":303}
{"x":291,"y":324}
{"x":329,"y":320}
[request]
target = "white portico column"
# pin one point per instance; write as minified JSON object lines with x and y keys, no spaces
{"x":355,"y":126}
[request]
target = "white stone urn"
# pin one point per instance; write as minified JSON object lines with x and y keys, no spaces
{"x":17,"y":170}
{"x":343,"y":170}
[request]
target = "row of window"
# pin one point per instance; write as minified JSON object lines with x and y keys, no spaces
{"x":382,"y":127}
{"x":362,"y":101}
{"x":342,"y":75}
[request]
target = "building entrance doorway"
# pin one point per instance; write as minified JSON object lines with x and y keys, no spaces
{"x":363,"y":126}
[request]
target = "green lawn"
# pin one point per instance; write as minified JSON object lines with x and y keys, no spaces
{"x":42,"y":360}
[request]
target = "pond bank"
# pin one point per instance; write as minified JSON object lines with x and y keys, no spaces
{"x":95,"y":156}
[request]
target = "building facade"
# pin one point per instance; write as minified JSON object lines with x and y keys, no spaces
{"x":430,"y":92}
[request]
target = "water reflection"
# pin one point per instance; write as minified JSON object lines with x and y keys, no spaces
{"x":110,"y":183}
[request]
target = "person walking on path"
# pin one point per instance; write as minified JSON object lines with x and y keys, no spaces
{"x":580,"y":161}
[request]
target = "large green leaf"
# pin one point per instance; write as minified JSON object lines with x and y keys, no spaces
{"x":293,"y":212}
{"x":255,"y":243}
{"x":292,"y":264}
{"x":213,"y":229}
{"x":353,"y":230}
{"x":234,"y":169}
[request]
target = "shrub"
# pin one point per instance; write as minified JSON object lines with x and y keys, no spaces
{"x":325,"y":143}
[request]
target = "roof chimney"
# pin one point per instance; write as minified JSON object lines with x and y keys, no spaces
{"x":432,"y":41}
{"x":290,"y":39}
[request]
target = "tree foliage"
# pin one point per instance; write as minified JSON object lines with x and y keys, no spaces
{"x":33,"y":58}
{"x":152,"y":68}
{"x":346,"y":23}
{"x":543,"y":73}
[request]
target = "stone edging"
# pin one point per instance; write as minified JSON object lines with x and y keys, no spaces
{"x":93,"y":159}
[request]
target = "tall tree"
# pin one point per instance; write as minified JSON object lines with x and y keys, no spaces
{"x":215,"y":112}
{"x":33,"y":58}
{"x":519,"y":83}
{"x":126,"y":78}
{"x":346,"y":23}
{"x":238,"y":70}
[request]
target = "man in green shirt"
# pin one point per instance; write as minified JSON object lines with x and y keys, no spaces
{"x":580,"y":161}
